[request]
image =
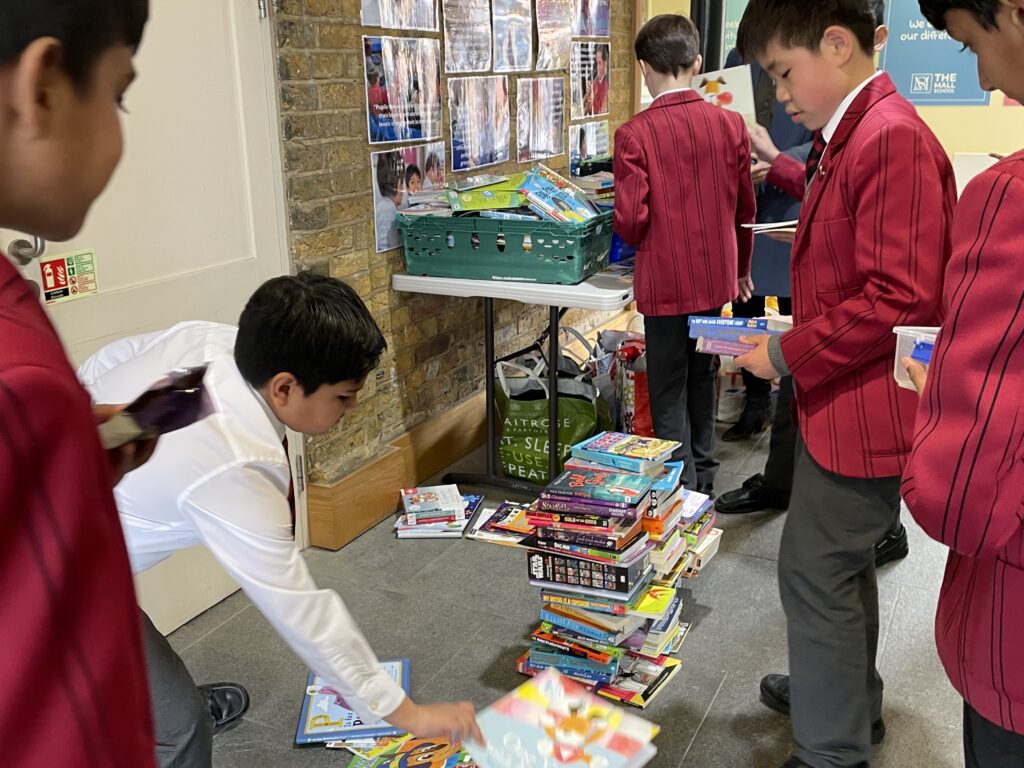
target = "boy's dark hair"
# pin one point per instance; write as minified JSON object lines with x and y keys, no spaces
{"x":86,"y":29}
{"x":313,"y":327}
{"x":983,"y":10}
{"x":433,"y":163}
{"x":798,"y":23}
{"x":410,"y":171}
{"x":669,"y":43}
{"x":878,"y":11}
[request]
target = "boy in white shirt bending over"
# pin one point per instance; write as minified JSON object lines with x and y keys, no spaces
{"x":299,"y":357}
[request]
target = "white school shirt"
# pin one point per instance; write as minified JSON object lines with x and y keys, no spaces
{"x":223,"y":482}
{"x":833,"y":124}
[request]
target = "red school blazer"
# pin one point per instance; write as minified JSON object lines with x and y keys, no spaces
{"x":965,"y":480}
{"x":873,"y":241}
{"x":682,"y":192}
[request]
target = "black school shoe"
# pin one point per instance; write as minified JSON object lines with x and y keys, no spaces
{"x":755,"y":495}
{"x":893,"y":546}
{"x":796,"y":762}
{"x":228,"y":702}
{"x":775,"y":696}
{"x":752,"y":422}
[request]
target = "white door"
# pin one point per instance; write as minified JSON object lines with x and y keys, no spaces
{"x":193,"y":220}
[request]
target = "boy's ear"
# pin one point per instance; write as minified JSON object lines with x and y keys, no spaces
{"x":882,"y":37}
{"x":697,"y":64}
{"x":39,"y":84}
{"x":282,"y":387}
{"x":839,"y":44}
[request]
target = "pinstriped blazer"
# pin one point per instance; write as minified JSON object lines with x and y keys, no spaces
{"x":873,"y":240}
{"x":682,"y":190}
{"x":965,"y":480}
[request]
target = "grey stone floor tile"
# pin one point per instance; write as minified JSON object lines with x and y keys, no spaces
{"x":756,"y":534}
{"x":208,"y":620}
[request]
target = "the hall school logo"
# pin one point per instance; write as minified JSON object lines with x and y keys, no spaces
{"x":920,"y":83}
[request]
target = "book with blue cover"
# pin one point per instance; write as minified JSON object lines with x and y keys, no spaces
{"x":721,"y":335}
{"x":632,"y":453}
{"x":553,"y":721}
{"x":326,"y":716}
{"x":599,"y":486}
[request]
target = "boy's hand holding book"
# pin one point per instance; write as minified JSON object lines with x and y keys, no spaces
{"x":756,"y":360}
{"x":455,"y":721}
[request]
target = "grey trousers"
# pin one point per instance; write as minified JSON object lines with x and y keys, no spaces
{"x":181,"y":716}
{"x":830,"y":596}
{"x":681,"y":384}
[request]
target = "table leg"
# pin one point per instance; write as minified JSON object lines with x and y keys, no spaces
{"x":554,"y":458}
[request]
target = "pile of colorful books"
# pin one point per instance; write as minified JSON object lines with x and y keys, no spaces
{"x":435,"y":512}
{"x":614,"y":534}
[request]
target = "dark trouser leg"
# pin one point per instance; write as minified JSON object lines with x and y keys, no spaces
{"x":987,"y":745}
{"x":828,"y":589}
{"x":759,"y":391}
{"x":182,"y":718}
{"x":778,"y":470}
{"x":675,"y":373}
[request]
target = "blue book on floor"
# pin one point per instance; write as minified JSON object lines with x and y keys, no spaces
{"x":325,"y":715}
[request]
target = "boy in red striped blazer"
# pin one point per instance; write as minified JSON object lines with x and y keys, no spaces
{"x":683,"y":190}
{"x":869,"y":254}
{"x":965,"y":480}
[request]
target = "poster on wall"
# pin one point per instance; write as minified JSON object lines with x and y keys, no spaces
{"x":403,"y":88}
{"x":478,"y":109}
{"x":540,"y":113}
{"x":513,"y":35}
{"x":398,"y":175}
{"x":593,"y":18}
{"x":554,"y":34}
{"x":928,"y":66}
{"x":731,"y":23}
{"x":731,"y":89}
{"x":587,"y":141}
{"x":589,"y":78}
{"x":400,"y":14}
{"x":467,"y":36}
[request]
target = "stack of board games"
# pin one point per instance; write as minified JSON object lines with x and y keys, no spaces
{"x":435,"y":512}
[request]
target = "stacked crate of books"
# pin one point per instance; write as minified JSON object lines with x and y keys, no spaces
{"x":614,"y":534}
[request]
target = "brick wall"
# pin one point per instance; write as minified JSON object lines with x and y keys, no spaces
{"x":435,"y":344}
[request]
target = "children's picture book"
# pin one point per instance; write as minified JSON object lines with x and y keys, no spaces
{"x":599,"y":486}
{"x":640,"y":679}
{"x":623,"y":451}
{"x":411,"y":751}
{"x":480,"y":180}
{"x":553,"y":721}
{"x":731,"y":89}
{"x":325,"y":715}
{"x":555,"y":198}
{"x":506,"y":525}
{"x":443,"y":529}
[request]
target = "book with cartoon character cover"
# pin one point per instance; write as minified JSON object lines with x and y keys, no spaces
{"x":325,"y":716}
{"x":553,"y":721}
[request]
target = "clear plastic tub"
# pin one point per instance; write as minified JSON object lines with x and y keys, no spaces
{"x":907,"y":338}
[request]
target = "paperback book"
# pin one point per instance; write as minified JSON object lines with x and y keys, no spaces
{"x":552,"y":720}
{"x":601,"y":486}
{"x":721,"y":335}
{"x":624,"y":451}
{"x":435,"y":503}
{"x":565,"y":570}
{"x":325,"y":716}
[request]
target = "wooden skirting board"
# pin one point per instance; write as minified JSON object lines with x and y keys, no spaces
{"x":342,"y":511}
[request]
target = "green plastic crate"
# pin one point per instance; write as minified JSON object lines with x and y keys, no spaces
{"x":495,"y":249}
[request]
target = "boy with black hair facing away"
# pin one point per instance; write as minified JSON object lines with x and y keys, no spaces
{"x":869,"y":254}
{"x":683,"y":190}
{"x":965,"y":480}
{"x":298,"y":359}
{"x":72,"y":683}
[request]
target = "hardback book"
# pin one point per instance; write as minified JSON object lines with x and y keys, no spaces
{"x":630,"y":452}
{"x":325,"y":716}
{"x":433,"y":504}
{"x":616,"y":539}
{"x":568,"y":571}
{"x":600,"y":486}
{"x":552,"y":720}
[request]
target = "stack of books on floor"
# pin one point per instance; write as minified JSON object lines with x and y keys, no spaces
{"x":435,"y":512}
{"x":612,"y":541}
{"x":507,"y":525}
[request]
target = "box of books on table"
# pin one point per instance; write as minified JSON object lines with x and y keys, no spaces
{"x":535,"y":227}
{"x":607,"y":553}
{"x":551,"y":720}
